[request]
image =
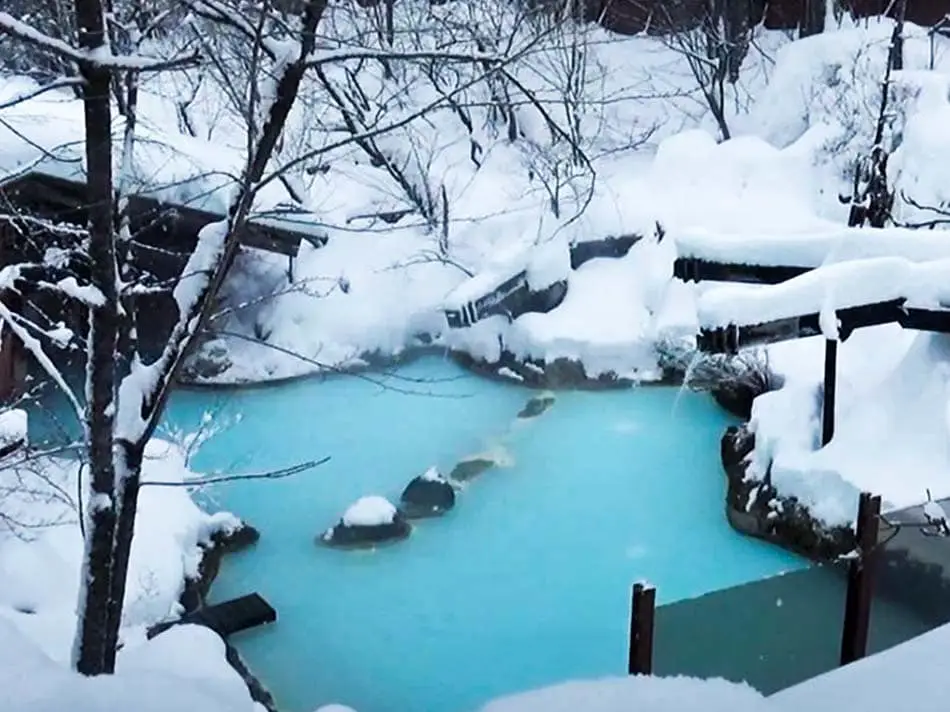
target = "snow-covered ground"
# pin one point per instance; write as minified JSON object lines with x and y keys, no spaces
{"x":40,"y":553}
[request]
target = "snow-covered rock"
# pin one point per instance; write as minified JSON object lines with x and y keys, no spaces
{"x":367,"y":522}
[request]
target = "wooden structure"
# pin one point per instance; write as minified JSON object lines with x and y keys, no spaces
{"x":514,"y":296}
{"x":226,"y":618}
{"x":156,"y":223}
{"x":857,"y":609}
{"x":642,"y":614}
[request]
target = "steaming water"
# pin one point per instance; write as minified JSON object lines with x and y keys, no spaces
{"x":525,"y":583}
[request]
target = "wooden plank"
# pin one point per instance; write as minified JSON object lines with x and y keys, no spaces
{"x":857,"y":612}
{"x":692,"y":269}
{"x":828,"y":392}
{"x":732,"y":337}
{"x":642,"y":616}
{"x":37,"y":189}
{"x":234,"y":616}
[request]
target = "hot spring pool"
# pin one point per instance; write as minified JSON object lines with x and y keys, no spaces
{"x":526,"y":582}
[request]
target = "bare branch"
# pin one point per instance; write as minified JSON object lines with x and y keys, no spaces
{"x":270,"y":475}
{"x":65,"y":83}
{"x":103,"y":57}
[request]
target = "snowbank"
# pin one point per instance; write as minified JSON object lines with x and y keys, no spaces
{"x":909,"y":676}
{"x":892,"y":434}
{"x":182,"y":669}
{"x":41,"y":548}
{"x":644,"y":694}
{"x":812,"y":249}
{"x":838,"y":286}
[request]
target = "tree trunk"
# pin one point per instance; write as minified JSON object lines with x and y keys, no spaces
{"x":128,"y":456}
{"x":91,"y":654}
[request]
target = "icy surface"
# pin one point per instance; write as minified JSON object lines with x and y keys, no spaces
{"x":492,"y":580}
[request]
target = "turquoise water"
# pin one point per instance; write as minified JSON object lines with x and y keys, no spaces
{"x":525,"y":583}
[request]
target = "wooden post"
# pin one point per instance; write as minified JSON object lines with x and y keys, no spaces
{"x":828,"y":398}
{"x":643,"y":607}
{"x":857,"y":607}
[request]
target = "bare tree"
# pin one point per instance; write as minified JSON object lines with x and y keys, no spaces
{"x":871,"y":197}
{"x":714,"y":49}
{"x":125,"y":388}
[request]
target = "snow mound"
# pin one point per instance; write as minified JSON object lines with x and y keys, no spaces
{"x":371,"y":511}
{"x":892,"y":434}
{"x":609,"y":319}
{"x":643,"y":694}
{"x":182,"y":669}
{"x":40,"y":560}
{"x":13,"y":426}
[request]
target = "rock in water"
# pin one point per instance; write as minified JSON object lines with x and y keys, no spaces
{"x":367,"y":522}
{"x":470,"y":468}
{"x":428,"y":495}
{"x":537,"y":405}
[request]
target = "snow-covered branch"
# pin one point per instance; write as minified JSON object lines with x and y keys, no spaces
{"x":100,"y":57}
{"x":65,"y":83}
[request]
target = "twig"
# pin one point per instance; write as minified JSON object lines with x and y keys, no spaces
{"x":271,"y":475}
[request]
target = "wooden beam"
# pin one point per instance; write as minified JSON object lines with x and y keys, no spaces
{"x":695,"y":269}
{"x":642,"y":616}
{"x":860,"y":592}
{"x":828,"y":393}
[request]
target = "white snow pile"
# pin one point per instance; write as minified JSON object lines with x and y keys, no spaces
{"x":910,"y":676}
{"x":643,"y":694}
{"x":13,"y":426}
{"x":837,"y":286}
{"x":41,"y":546}
{"x":892,"y":425}
{"x":813,"y":248}
{"x":826,"y":90}
{"x":182,"y":669}
{"x":370,"y":511}
{"x":432,"y":475}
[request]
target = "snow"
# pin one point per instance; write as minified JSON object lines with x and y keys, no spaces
{"x":433,"y":475}
{"x":813,"y":248}
{"x":371,"y":511}
{"x":646,"y":694}
{"x":13,"y":425}
{"x":908,"y":676}
{"x":549,"y":263}
{"x":40,"y":555}
{"x":839,"y":286}
{"x":184,"y":668}
{"x":769,"y":196}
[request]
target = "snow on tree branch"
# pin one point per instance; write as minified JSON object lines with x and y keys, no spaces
{"x":21,"y":97}
{"x":101,"y":56}
{"x":35,"y":348}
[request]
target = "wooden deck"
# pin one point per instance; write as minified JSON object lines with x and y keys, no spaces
{"x":158,"y":223}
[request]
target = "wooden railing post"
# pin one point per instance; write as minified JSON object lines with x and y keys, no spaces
{"x":828,"y":395}
{"x":857,"y":610}
{"x":643,"y":607}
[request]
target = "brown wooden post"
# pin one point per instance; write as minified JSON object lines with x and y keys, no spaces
{"x":857,"y":607}
{"x":642,"y":611}
{"x":828,"y":396}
